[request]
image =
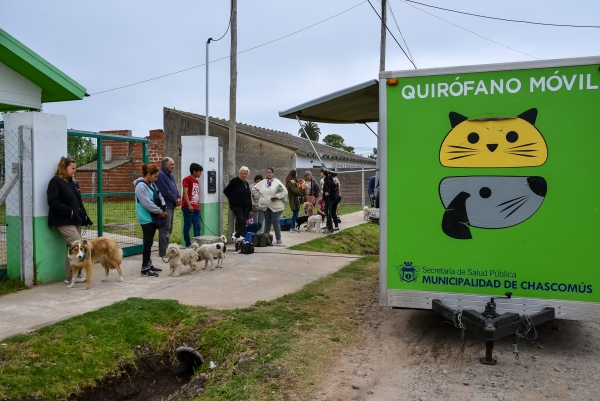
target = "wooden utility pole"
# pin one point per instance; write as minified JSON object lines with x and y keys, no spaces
{"x":383,"y":35}
{"x":232,"y":107}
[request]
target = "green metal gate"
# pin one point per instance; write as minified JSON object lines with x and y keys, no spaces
{"x":106,"y":167}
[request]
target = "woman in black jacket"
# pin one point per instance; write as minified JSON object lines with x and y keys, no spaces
{"x":240,"y":200}
{"x":66,"y":212}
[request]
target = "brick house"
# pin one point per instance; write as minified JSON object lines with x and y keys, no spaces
{"x":259,"y":148}
{"x":121,"y":165}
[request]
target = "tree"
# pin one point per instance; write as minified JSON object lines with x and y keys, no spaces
{"x":337,"y":141}
{"x":374,"y":157}
{"x":82,"y":149}
{"x":312,"y":129}
{"x":334,"y":140}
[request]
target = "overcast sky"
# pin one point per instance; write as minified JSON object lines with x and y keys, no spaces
{"x":107,"y":44}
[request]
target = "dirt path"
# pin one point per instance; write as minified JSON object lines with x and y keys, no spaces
{"x":414,"y":355}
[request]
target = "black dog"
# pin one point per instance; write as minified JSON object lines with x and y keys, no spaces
{"x":301,"y":220}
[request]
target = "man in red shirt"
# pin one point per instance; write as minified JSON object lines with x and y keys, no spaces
{"x":191,"y":203}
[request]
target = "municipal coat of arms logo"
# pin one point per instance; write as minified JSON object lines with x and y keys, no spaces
{"x":408,"y":272}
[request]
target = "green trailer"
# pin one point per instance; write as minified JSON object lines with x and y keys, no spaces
{"x":489,"y":194}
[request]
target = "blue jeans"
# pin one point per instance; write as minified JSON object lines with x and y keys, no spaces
{"x":294,"y":217}
{"x":254,"y":227}
{"x":190,"y":218}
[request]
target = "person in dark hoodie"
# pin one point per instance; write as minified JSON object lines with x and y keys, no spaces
{"x":66,"y":211}
{"x":168,"y":188}
{"x":330,"y":195}
{"x":240,"y":199}
{"x":146,"y":194}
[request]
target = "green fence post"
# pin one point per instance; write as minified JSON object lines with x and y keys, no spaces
{"x":99,"y":159}
{"x":145,"y":152}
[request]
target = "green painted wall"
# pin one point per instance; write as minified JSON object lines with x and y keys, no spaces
{"x":13,"y":245}
{"x":210,"y":219}
{"x":50,"y":251}
{"x":554,"y":253}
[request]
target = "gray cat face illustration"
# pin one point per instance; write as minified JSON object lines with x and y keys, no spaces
{"x":488,"y":202}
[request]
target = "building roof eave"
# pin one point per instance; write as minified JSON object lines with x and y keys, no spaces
{"x":56,"y":85}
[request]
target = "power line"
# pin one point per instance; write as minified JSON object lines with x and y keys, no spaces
{"x":474,"y":33}
{"x":505,"y":19}
{"x":389,"y":6}
{"x":226,"y":57}
{"x":228,"y":26}
{"x":388,"y":29}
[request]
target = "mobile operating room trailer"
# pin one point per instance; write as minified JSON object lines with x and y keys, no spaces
{"x":489,"y":189}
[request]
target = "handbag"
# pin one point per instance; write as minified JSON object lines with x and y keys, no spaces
{"x":159,"y":222}
{"x":246,"y":248}
{"x":262,"y":240}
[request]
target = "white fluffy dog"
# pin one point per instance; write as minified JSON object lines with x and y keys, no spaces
{"x":366,"y":212}
{"x":208,"y":252}
{"x":314,"y":222}
{"x":179,"y":257}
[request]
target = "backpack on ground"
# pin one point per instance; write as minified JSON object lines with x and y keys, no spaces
{"x":246,"y":248}
{"x":260,"y":240}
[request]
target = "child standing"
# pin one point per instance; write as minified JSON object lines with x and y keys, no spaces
{"x":191,"y":203}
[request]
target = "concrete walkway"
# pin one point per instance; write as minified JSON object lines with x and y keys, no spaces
{"x":267,"y":274}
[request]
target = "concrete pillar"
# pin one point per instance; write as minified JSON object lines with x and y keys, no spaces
{"x":48,"y":144}
{"x":204,"y":150}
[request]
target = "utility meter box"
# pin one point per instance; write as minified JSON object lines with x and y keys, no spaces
{"x":204,"y":150}
{"x":212,"y":181}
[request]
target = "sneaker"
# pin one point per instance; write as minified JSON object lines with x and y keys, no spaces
{"x":149,"y":273}
{"x":294,"y":230}
{"x":67,"y":281}
{"x":278,"y":242}
{"x":155,"y":269}
{"x":80,"y":279}
{"x":328,"y":231}
{"x":336,"y":229}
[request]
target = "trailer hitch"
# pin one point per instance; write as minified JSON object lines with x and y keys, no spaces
{"x":491,"y":326}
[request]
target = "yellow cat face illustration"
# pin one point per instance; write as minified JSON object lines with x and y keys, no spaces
{"x":494,"y":142}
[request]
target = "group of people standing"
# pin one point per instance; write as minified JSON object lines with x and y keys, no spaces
{"x":263,"y":201}
{"x":157,"y":197}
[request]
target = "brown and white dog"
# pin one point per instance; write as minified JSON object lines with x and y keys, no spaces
{"x":83,"y":253}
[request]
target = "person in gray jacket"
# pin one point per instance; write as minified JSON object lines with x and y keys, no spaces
{"x":147,"y":201}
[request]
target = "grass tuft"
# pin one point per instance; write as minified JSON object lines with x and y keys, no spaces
{"x":9,"y":285}
{"x":359,"y":240}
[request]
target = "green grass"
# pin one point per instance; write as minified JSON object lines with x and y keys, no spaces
{"x":9,"y":285}
{"x":124,"y":212}
{"x":297,"y":332}
{"x":358,"y":240}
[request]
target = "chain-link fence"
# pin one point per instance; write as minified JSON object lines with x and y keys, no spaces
{"x":10,"y":200}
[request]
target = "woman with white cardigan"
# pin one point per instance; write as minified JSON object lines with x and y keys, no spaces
{"x":271,"y":193}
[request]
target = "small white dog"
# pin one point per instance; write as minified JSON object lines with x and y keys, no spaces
{"x":181,"y":257}
{"x":208,"y":252}
{"x":366,"y":212}
{"x":314,"y":222}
